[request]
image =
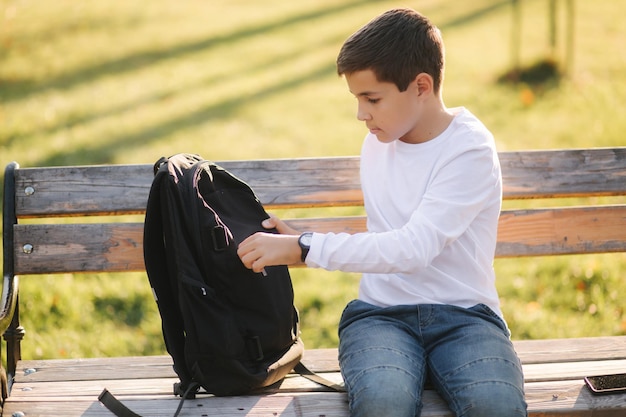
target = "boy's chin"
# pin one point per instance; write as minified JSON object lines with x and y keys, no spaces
{"x":384,"y":138}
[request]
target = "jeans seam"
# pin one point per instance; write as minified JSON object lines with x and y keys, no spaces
{"x":442,"y":386}
{"x":482,"y":360}
{"x":365,"y":371}
{"x":370,"y":349}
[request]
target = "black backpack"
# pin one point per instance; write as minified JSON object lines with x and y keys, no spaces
{"x":228,"y":330}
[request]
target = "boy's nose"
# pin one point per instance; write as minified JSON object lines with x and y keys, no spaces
{"x":362,"y":115}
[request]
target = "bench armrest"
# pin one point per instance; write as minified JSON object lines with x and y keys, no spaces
{"x":9,"y":322}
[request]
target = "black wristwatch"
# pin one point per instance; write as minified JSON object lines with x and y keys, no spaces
{"x":305,"y":244}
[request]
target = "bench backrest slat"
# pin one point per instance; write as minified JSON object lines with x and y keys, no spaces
{"x":119,"y":247}
{"x":101,"y":190}
{"x":58,"y":248}
{"x":114,"y":245}
{"x":562,"y":231}
{"x":564,"y":173}
{"x":307,"y":182}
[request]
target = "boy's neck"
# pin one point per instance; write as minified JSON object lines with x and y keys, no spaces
{"x":436,"y":120}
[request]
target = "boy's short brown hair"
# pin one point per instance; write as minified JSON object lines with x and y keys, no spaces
{"x":397,"y":46}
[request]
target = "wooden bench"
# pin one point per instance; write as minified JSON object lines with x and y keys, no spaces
{"x":69,"y":387}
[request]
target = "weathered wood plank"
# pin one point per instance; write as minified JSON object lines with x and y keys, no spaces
{"x":570,"y":398}
{"x":571,"y":350}
{"x":136,"y":367}
{"x":67,"y":191}
{"x":564,"y":173}
{"x":325,"y":360}
{"x":575,"y":358}
{"x":562,"y":231}
{"x":147,"y":383}
{"x":302,"y":405}
{"x":552,"y":398}
{"x":306,"y":182}
{"x":118,"y":247}
{"x":123,"y":385}
{"x":112,"y":247}
{"x":90,"y":384}
{"x":561,"y":371}
{"x":60,"y":381}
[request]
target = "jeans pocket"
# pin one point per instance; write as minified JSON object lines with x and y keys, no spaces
{"x":355,"y":310}
{"x":493,"y":317}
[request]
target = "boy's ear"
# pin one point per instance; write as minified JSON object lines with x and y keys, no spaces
{"x":424,"y":83}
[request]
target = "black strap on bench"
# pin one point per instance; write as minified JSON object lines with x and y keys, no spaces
{"x":114,"y":405}
{"x":312,"y":376}
{"x":120,"y":410}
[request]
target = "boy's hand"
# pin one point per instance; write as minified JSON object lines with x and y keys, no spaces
{"x":281,"y":226}
{"x":269,"y":249}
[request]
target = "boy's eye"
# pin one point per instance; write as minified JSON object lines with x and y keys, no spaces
{"x":373,"y":100}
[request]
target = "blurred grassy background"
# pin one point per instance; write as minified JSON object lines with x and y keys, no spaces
{"x":127,"y":82}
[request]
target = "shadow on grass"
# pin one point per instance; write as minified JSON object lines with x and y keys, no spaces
{"x":96,"y":153}
{"x":105,"y":151}
{"x":21,"y":88}
{"x":167,"y":94}
{"x":542,"y":74}
{"x":129,"y":311}
{"x":475,"y":15}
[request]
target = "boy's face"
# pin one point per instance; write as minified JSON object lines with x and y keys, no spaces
{"x":387,"y":112}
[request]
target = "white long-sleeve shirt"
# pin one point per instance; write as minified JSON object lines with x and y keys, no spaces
{"x":432,"y":213}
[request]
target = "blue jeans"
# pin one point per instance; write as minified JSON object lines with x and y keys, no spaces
{"x":387,"y":355}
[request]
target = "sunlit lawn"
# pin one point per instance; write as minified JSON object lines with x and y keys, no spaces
{"x":130,"y":81}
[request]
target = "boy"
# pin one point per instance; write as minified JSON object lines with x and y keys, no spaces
{"x":427,"y":307}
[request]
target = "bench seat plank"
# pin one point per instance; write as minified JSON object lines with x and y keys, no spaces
{"x":562,"y":371}
{"x":302,"y":405}
{"x":152,"y":397}
{"x":585,"y":349}
{"x":544,"y":401}
{"x":571,"y":350}
{"x":141,"y":371}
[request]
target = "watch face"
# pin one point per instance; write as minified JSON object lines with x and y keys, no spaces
{"x":305,"y":239}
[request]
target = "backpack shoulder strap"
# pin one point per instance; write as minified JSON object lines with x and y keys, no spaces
{"x":301,"y":369}
{"x":158,"y":268}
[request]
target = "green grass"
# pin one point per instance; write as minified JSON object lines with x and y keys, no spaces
{"x":128,"y":82}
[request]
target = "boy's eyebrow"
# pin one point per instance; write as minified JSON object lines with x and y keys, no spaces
{"x":365,"y":93}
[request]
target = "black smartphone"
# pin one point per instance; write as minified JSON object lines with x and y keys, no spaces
{"x":606,"y":384}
